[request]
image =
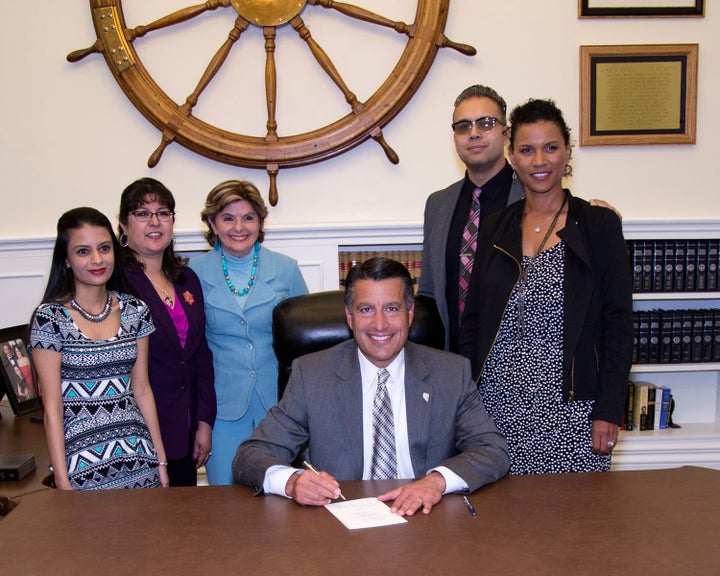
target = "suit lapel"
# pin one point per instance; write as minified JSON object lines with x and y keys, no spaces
{"x":578,"y":272}
{"x":188,"y":293}
{"x":419,"y":396}
{"x":348,"y":391}
{"x":161,"y":317}
{"x":261,"y":292}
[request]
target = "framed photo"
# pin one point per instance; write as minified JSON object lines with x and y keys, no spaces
{"x":18,"y":373}
{"x":640,"y":8}
{"x":642,"y":94}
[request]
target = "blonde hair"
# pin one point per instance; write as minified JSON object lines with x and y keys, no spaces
{"x":225,"y":194}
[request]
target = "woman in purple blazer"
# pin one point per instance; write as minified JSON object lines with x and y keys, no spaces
{"x":180,"y":363}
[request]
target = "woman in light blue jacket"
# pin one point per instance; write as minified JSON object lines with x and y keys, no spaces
{"x":242,"y":282}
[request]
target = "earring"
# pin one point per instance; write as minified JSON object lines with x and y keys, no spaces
{"x":567,"y":171}
{"x":123,"y":240}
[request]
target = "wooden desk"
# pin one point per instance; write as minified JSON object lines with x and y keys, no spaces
{"x":640,"y":522}
{"x":18,"y":435}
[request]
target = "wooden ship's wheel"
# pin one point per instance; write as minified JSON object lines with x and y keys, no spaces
{"x":271,"y":151}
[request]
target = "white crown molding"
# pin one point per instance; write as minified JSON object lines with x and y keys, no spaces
{"x":387,"y":233}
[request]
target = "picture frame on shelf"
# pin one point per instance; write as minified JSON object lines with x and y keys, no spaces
{"x":638,"y":94}
{"x":18,"y":373}
{"x":641,"y":8}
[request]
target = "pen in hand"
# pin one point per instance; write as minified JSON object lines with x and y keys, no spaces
{"x":470,"y":506}
{"x":313,"y":469}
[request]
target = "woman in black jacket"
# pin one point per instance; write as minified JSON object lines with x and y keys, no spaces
{"x":548,"y":320}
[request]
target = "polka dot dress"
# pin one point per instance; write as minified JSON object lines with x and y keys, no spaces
{"x":521,"y":383}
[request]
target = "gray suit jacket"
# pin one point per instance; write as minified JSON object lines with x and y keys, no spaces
{"x":322,"y":406}
{"x":439,"y":210}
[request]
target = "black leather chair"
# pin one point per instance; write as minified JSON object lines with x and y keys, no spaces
{"x":317,"y":321}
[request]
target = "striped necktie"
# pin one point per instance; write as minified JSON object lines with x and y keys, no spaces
{"x":467,"y":250}
{"x":384,"y":458}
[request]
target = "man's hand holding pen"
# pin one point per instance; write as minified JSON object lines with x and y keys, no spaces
{"x":313,"y":489}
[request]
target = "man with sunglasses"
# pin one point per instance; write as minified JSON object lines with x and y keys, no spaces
{"x":480,"y":132}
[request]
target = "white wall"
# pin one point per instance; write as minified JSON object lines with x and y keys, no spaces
{"x":70,"y":137}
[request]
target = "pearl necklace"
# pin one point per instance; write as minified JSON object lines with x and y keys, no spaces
{"x":104,"y":313}
{"x":253,"y":271}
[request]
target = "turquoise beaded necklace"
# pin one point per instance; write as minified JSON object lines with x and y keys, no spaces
{"x":253,"y":271}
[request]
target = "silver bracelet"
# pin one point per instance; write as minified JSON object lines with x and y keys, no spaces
{"x":162,"y":463}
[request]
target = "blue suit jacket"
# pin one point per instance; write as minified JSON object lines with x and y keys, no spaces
{"x":439,"y":209}
{"x":241,"y":340}
{"x":322,"y":406}
{"x":181,"y":378}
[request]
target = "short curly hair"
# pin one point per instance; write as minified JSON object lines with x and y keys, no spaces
{"x":226,"y":193}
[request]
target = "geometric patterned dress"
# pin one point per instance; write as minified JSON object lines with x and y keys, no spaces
{"x":107,"y":442}
{"x":521,"y":383}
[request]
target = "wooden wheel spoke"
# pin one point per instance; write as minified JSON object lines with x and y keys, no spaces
{"x":272,"y":170}
{"x":181,"y":15}
{"x":444,"y":42}
{"x":174,"y":124}
{"x":216,"y":63}
{"x":365,"y":15}
{"x":377,"y":135}
{"x":77,"y":55}
{"x":270,"y":84}
{"x":324,"y":61}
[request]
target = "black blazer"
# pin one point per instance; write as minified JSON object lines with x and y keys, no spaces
{"x":597,"y":316}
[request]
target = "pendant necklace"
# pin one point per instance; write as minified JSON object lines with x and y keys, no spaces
{"x":522,"y":281}
{"x":102,"y":315}
{"x":165,"y":295}
{"x":540,"y":227}
{"x":253,"y":271}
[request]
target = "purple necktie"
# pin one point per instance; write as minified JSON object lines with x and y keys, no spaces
{"x":467,"y":250}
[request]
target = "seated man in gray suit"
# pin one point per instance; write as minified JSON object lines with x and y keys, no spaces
{"x":376,"y":406}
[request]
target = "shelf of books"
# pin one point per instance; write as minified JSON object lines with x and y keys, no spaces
{"x":409,"y":255}
{"x":673,"y":408}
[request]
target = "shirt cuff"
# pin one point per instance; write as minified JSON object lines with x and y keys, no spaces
{"x":453,"y":482}
{"x":276,"y":479}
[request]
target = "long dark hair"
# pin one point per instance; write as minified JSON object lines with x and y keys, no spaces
{"x":141,"y":192}
{"x":61,"y":283}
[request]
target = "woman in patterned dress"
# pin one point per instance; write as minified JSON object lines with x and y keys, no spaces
{"x":548,"y":322}
{"x":90,"y":348}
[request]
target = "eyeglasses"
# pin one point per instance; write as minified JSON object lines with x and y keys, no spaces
{"x":484,"y":124}
{"x":146,"y":215}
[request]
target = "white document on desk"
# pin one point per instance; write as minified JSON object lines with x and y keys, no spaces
{"x":364,"y":513}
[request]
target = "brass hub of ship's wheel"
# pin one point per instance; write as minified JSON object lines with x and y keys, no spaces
{"x":268,"y":12}
{"x":273,"y":150}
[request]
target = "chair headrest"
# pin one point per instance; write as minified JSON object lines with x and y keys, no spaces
{"x":313,"y":322}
